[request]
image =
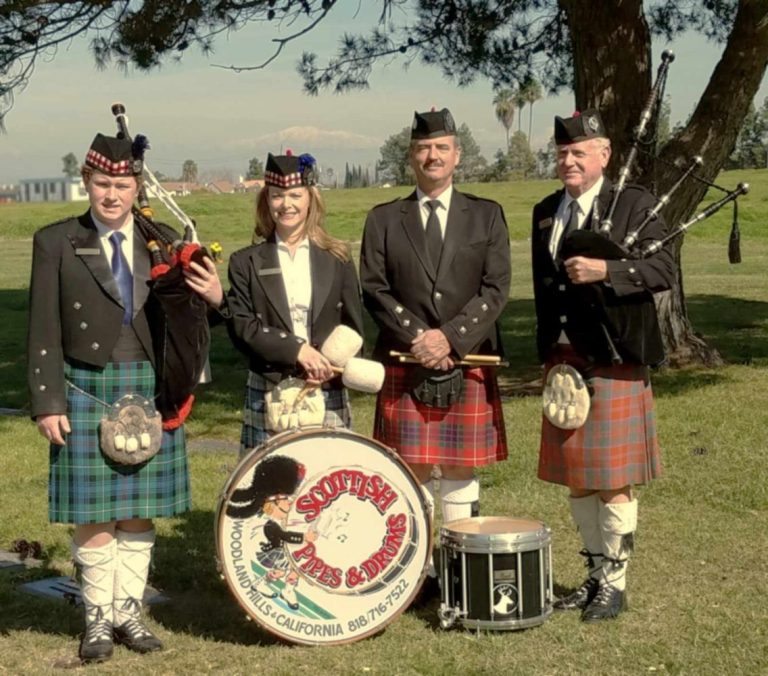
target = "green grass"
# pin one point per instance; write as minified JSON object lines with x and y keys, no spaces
{"x":696,"y":584}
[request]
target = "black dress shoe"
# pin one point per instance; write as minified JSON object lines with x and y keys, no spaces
{"x":579,"y":599}
{"x":606,"y":605}
{"x":97,"y":645}
{"x":135,"y":636}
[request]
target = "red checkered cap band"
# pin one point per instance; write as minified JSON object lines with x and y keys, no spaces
{"x":98,"y":161}
{"x":282,"y":181}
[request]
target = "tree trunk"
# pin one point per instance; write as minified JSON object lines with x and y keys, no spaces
{"x":611,"y":62}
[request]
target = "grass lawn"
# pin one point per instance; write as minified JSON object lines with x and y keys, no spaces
{"x":697,"y":582}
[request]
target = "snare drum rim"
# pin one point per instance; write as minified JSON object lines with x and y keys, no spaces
{"x":256,"y":455}
{"x":495,"y":543}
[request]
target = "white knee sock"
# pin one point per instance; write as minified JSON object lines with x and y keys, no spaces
{"x":457,"y":497}
{"x":586,"y":515}
{"x":134,"y":552}
{"x":618,"y":522}
{"x":97,"y":578}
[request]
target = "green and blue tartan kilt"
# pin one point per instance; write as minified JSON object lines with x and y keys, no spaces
{"x":87,"y":487}
{"x":254,"y":432}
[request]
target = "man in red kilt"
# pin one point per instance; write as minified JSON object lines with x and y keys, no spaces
{"x":598,"y":316}
{"x":435,"y":273}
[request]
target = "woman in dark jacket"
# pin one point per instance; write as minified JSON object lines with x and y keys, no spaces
{"x":288,"y":292}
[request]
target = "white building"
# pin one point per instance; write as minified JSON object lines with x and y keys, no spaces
{"x":60,"y":189}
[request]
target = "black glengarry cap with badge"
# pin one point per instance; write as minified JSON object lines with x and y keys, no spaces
{"x":289,"y":170}
{"x":117,"y":156}
{"x":432,"y":124}
{"x":581,"y":126}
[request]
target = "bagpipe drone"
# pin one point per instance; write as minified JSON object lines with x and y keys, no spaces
{"x":178,"y":317}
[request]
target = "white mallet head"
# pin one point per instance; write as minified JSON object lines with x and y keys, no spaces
{"x":363,"y":375}
{"x":341,"y":345}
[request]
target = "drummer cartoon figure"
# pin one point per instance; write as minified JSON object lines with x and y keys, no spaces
{"x":275,"y":480}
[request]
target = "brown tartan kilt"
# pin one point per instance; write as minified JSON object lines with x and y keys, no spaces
{"x":471,"y":432}
{"x":617,"y":446}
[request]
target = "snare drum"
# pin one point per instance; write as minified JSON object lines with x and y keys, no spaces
{"x":496,"y":573}
{"x":323,"y":536}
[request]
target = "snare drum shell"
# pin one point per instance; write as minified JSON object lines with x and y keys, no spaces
{"x":497,"y":572}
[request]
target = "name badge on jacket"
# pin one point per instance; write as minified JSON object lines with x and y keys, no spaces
{"x":269,"y":271}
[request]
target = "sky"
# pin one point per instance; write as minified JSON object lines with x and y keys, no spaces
{"x":221,"y":119}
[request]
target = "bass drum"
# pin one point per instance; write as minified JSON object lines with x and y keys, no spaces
{"x":323,"y":536}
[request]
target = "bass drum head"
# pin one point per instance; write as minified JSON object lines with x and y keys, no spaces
{"x":323,"y":536}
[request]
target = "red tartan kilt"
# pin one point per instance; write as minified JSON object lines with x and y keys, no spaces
{"x":617,"y":446}
{"x":471,"y":432}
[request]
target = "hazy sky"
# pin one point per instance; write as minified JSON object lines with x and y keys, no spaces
{"x":221,"y":119}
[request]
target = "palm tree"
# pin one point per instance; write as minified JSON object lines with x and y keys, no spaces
{"x":520,"y":101}
{"x":505,"y":103}
{"x":532,"y":93}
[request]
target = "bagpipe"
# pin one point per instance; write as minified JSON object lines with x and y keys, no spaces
{"x":622,"y":316}
{"x":582,"y":242}
{"x":178,"y":317}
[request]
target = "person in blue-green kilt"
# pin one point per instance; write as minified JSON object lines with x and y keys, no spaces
{"x":89,"y":345}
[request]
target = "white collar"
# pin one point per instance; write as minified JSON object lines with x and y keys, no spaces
{"x":444,"y":197}
{"x":585,"y":200}
{"x":105,"y":231}
{"x":303,"y":244}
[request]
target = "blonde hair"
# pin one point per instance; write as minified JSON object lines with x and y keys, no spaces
{"x":313,"y":225}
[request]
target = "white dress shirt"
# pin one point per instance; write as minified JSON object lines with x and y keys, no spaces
{"x":585,"y":202}
{"x":297,"y":278}
{"x":106,"y":244}
{"x":442,"y":211}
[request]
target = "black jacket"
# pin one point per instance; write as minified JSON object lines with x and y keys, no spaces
{"x":259,"y":320}
{"x":463,"y":297}
{"x":624,"y":307}
{"x":75,"y":312}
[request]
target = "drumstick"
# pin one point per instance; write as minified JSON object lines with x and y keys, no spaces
{"x":469,"y":360}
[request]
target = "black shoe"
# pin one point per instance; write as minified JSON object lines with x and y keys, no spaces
{"x":579,"y":599}
{"x":97,"y":645}
{"x":606,"y":605}
{"x":430,"y":590}
{"x":135,"y":636}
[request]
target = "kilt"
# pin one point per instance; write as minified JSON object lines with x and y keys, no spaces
{"x":470,"y":433}
{"x":87,"y":487}
{"x":617,"y":446}
{"x":254,"y":431}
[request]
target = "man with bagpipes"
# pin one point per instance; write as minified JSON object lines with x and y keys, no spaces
{"x":598,"y":334}
{"x":96,"y":334}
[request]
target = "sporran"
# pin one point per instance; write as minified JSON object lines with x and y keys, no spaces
{"x":438,"y":389}
{"x":565,"y":399}
{"x":131,"y":432}
{"x":293,"y":404}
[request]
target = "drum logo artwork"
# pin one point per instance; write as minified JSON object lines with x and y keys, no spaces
{"x":321,"y":551}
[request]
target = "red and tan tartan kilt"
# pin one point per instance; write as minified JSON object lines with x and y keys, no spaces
{"x":470,"y":432}
{"x":617,"y":446}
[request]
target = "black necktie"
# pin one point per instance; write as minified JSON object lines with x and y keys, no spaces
{"x":122,"y":274}
{"x":434,"y":236}
{"x":573,"y":219}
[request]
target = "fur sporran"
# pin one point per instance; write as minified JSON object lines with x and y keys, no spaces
{"x":565,"y":399}
{"x":132,"y":430}
{"x":292,"y":404}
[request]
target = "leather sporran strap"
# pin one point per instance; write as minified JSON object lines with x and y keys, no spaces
{"x":565,"y":399}
{"x":131,"y":432}
{"x":438,"y":389}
